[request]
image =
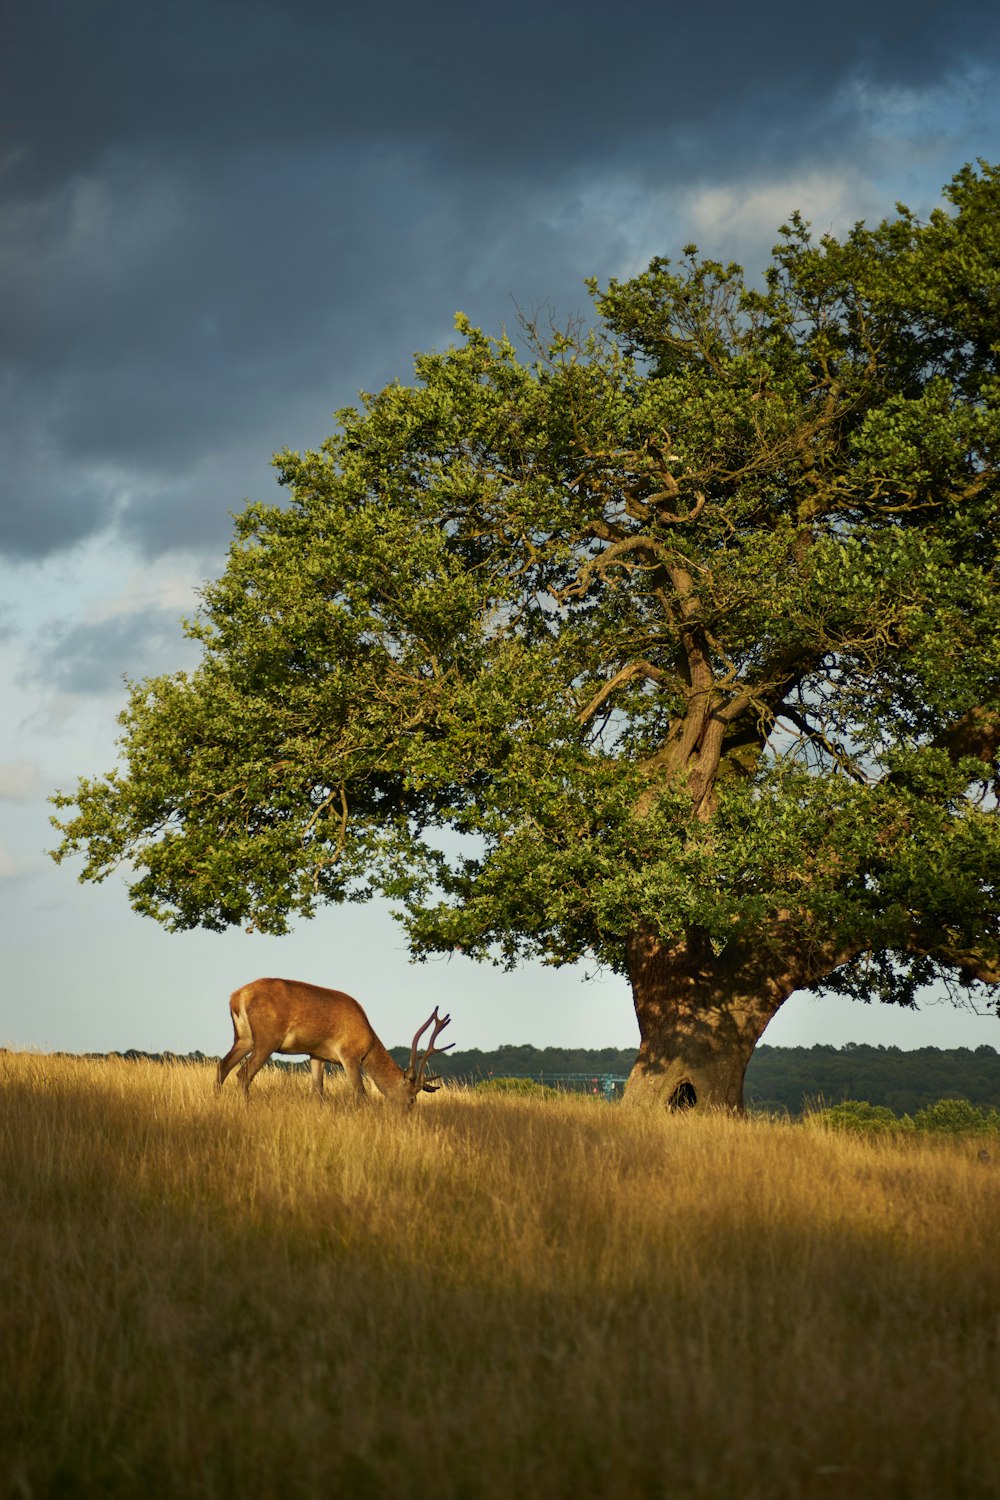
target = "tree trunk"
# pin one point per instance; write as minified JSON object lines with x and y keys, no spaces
{"x":700,"y":1016}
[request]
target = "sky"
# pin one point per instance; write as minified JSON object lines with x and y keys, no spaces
{"x":220,"y":220}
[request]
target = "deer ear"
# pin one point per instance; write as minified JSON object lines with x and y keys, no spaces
{"x":430,"y":1088}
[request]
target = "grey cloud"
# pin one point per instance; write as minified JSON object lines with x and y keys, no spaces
{"x":48,"y":500}
{"x":92,"y":657}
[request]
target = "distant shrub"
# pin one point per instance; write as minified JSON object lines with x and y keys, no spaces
{"x":957,"y":1117}
{"x":861,"y":1117}
{"x":518,"y":1086}
{"x":945,"y":1117}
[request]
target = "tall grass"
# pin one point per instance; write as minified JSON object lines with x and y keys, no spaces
{"x":497,"y":1296}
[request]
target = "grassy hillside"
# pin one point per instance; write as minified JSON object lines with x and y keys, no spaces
{"x":495,"y":1296}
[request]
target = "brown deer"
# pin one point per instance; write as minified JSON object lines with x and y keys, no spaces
{"x":285,"y":1015}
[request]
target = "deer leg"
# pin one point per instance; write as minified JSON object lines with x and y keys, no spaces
{"x":240,"y":1049}
{"x":317,"y":1067}
{"x":352,"y":1068}
{"x":252,"y":1067}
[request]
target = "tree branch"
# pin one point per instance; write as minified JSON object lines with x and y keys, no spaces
{"x":634,"y":669}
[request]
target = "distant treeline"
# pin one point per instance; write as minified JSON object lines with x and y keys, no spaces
{"x":790,"y":1077}
{"x":779,"y":1078}
{"x":509,"y":1061}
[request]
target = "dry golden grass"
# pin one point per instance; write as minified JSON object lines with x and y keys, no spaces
{"x":494,"y":1297}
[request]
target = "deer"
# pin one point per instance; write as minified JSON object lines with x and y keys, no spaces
{"x":288,"y":1015}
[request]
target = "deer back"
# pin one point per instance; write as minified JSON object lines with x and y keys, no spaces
{"x":289,"y":1015}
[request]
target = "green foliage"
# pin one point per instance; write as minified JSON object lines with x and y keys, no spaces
{"x":689,"y":624}
{"x":944,"y":1117}
{"x":957,"y":1117}
{"x":860,"y":1117}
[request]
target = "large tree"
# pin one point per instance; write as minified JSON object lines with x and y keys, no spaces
{"x":673,"y":642}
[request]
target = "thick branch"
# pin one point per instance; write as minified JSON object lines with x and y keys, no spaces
{"x":970,"y":963}
{"x":634,"y":669}
{"x":975,"y":734}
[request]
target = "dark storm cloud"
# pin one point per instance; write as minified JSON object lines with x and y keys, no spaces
{"x":185,"y":326}
{"x":525,"y":79}
{"x":219,"y":219}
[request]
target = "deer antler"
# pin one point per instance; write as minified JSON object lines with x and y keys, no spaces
{"x":417,"y":1070}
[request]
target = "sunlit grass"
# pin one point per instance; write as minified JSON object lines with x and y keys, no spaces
{"x":496,"y":1296}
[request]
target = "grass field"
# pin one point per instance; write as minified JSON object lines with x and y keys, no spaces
{"x":495,"y":1297}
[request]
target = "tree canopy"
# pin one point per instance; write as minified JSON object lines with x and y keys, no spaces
{"x":671,"y":640}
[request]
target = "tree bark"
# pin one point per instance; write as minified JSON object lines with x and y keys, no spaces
{"x":700,"y":1016}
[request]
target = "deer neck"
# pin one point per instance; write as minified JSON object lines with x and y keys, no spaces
{"x":386,"y":1074}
